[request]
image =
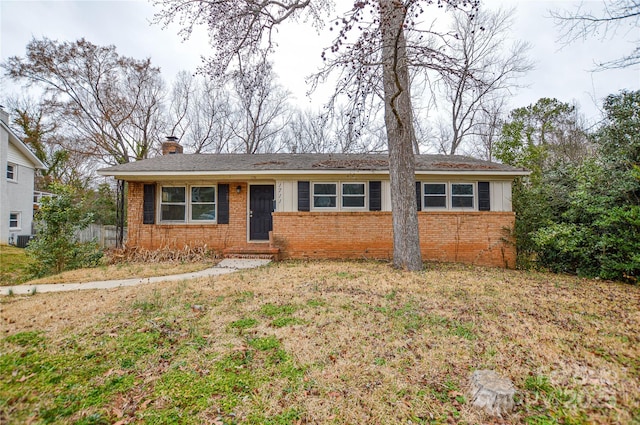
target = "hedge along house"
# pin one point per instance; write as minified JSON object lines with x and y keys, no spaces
{"x":316,"y":205}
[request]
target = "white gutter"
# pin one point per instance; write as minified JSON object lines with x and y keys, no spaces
{"x":191,"y":174}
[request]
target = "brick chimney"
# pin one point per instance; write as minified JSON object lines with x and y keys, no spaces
{"x":171,"y":146}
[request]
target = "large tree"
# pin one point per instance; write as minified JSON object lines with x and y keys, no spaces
{"x":110,"y":102}
{"x":542,"y":134}
{"x":372,"y":39}
{"x":549,"y":139}
{"x":595,"y":231}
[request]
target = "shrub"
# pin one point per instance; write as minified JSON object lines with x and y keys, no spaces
{"x":55,"y":247}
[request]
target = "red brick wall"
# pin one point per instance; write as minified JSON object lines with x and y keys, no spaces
{"x":177,"y":236}
{"x":470,"y":237}
{"x":481,"y":238}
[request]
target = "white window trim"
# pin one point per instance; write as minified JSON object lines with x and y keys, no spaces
{"x":187,"y":204}
{"x":18,"y":221}
{"x":366,"y":197}
{"x":447,"y":202}
{"x":161,"y":203}
{"x":15,"y":172}
{"x":449,"y":195}
{"x":215,"y":204}
{"x":337,"y":196}
{"x":474,"y":196}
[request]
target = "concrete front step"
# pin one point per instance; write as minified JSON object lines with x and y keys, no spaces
{"x":265,"y":252}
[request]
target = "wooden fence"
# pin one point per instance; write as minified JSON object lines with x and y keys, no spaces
{"x":105,"y":235}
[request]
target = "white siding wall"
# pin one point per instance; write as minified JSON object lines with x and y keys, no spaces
{"x":500,"y":192}
{"x":20,"y":199}
{"x":17,"y":157}
{"x":386,"y":195}
{"x":287,"y":193}
{"x":286,"y":196}
{"x":4,"y":198}
{"x":15,"y":196}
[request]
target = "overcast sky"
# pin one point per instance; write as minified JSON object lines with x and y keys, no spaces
{"x":562,"y":72}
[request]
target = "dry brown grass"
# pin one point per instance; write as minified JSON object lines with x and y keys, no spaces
{"x":381,"y":346}
{"x":121,"y":271}
{"x":137,"y":263}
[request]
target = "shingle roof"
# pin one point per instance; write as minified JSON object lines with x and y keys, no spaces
{"x":193,"y":163}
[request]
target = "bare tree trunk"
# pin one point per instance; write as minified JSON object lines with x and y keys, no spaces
{"x":399,"y":124}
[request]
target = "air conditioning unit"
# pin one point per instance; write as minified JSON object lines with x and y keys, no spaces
{"x":23,"y":241}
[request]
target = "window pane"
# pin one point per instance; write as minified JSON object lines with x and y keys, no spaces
{"x":173,"y":194}
{"x":435,"y":201}
{"x":324,"y":201}
{"x":353,"y":201}
{"x":10,"y":172}
{"x":353,"y":189}
{"x":172,"y":213}
{"x":13,"y":220}
{"x":434,"y":189}
{"x":203,"y":212}
{"x":203,"y":194}
{"x":462,"y":201}
{"x":462,"y":189}
{"x":324,"y":188}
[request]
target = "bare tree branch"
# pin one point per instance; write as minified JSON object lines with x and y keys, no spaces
{"x":614,"y":16}
{"x":111,"y":102}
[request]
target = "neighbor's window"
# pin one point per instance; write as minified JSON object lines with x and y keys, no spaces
{"x":462,"y":195}
{"x":325,"y":195}
{"x":203,"y":203}
{"x":435,"y":195}
{"x":14,"y":220}
{"x":173,"y":203}
{"x":12,"y":173}
{"x":353,"y":195}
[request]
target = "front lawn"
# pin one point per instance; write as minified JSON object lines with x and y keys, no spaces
{"x":323,"y":343}
{"x":122,"y":271}
{"x":13,"y":265}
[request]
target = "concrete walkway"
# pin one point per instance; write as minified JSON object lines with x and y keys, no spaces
{"x":223,"y":267}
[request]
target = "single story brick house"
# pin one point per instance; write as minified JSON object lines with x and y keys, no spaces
{"x":316,"y":205}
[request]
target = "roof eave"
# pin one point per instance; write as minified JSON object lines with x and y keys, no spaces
{"x":22,"y":147}
{"x":129,"y":175}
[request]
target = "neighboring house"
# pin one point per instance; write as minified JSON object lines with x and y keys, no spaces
{"x":16,"y":185}
{"x":317,"y":205}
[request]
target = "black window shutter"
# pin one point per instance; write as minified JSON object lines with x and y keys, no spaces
{"x":419,"y":195}
{"x":223,"y":204}
{"x":375,"y":196}
{"x":304,"y":200}
{"x":484,"y":198}
{"x":149,"y":204}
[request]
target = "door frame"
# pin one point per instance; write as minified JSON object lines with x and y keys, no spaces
{"x":248,"y":208}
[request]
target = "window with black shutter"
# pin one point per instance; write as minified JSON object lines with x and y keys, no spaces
{"x":375,"y":196}
{"x":223,"y":204}
{"x":149,"y":204}
{"x":484,"y":197}
{"x":419,"y":196}
{"x":303,"y":196}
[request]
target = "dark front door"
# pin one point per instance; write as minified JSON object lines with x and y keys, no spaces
{"x":261,"y":199}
